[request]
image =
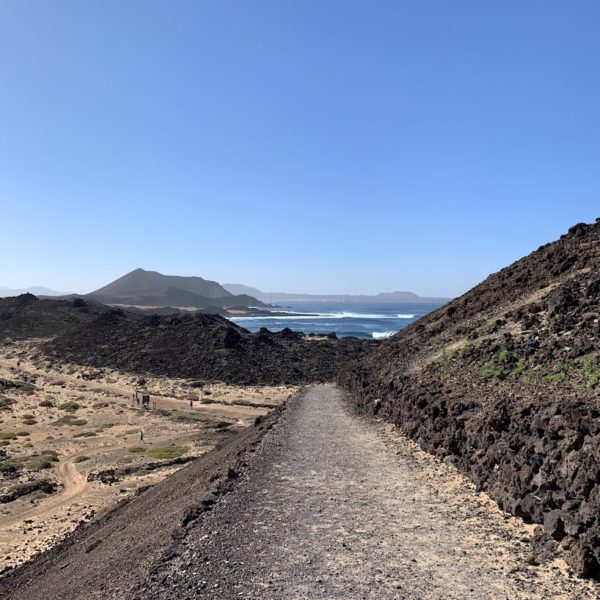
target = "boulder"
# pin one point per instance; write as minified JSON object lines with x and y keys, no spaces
{"x":554,"y":525}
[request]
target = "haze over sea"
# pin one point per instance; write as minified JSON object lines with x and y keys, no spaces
{"x":359,"y":319}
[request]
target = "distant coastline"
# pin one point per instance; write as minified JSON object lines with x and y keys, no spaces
{"x":381,"y":298}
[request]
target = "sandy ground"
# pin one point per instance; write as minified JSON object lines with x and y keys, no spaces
{"x":103,"y":433}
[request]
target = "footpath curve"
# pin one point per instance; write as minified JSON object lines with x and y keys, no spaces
{"x":336,"y":506}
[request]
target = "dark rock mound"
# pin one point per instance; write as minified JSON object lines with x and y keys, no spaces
{"x":196,"y":345}
{"x":204,"y":347}
{"x":27,"y":316}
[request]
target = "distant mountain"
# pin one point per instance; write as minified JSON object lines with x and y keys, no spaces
{"x":36,"y":290}
{"x":148,"y":282}
{"x":240,"y":288}
{"x":384,"y":297}
{"x":150,"y":288}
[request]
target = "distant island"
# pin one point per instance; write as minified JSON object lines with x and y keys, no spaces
{"x":383,"y":297}
{"x":144,"y":291}
{"x":36,"y":290}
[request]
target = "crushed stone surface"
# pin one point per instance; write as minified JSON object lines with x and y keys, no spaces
{"x":337,"y":506}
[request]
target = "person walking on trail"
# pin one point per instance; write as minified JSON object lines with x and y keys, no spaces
{"x":141,"y":435}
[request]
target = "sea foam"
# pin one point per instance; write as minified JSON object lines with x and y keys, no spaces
{"x":382,"y":335}
{"x":336,"y":315}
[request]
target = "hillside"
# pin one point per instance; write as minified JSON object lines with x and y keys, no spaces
{"x":152,"y":289}
{"x":504,"y":382}
{"x":140,"y":281}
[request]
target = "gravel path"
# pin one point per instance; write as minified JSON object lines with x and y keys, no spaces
{"x":335,"y":506}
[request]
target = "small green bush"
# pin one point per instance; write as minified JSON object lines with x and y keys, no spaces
{"x":83,"y":434}
{"x":23,"y":433}
{"x":6,"y":403}
{"x":167,"y":452}
{"x":80,"y":459}
{"x":51,"y":454}
{"x":136,"y":449}
{"x":38,"y":463}
{"x":8,"y":436}
{"x":191,"y":416}
{"x":490,"y":371}
{"x":69,"y":420}
{"x":70,"y":406}
{"x":46,"y":404}
{"x":589,"y":370}
{"x":10,"y":466}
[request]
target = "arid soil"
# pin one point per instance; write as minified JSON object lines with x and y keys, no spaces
{"x":333,"y":506}
{"x":71,"y":440}
{"x":117,"y":550}
{"x":504,"y":382}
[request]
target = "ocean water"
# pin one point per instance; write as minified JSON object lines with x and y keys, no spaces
{"x":363,"y":320}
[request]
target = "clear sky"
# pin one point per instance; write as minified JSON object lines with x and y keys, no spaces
{"x":293,"y":145}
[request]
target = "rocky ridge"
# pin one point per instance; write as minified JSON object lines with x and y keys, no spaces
{"x":504,"y":382}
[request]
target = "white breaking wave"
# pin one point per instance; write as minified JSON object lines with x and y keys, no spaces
{"x":305,"y":316}
{"x":311,"y":316}
{"x":382,"y":335}
{"x":353,"y":315}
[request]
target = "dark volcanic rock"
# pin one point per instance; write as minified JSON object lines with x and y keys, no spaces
{"x":200,"y":346}
{"x":554,"y":525}
{"x":206,"y":347}
{"x":23,"y":489}
{"x":506,"y":380}
{"x":26,"y":316}
{"x":107,"y":477}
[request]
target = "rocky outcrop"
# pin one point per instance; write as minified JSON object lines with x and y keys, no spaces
{"x":204,"y":347}
{"x":504,"y":382}
{"x":27,"y":316}
{"x":197,"y":345}
{"x":29,"y":487}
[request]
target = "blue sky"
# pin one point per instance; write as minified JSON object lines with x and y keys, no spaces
{"x":318,"y":146}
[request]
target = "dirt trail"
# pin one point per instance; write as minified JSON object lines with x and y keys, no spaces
{"x":244,"y":413}
{"x":73,"y":486}
{"x":334,"y":506}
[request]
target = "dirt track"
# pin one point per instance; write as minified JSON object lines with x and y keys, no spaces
{"x":334,"y":506}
